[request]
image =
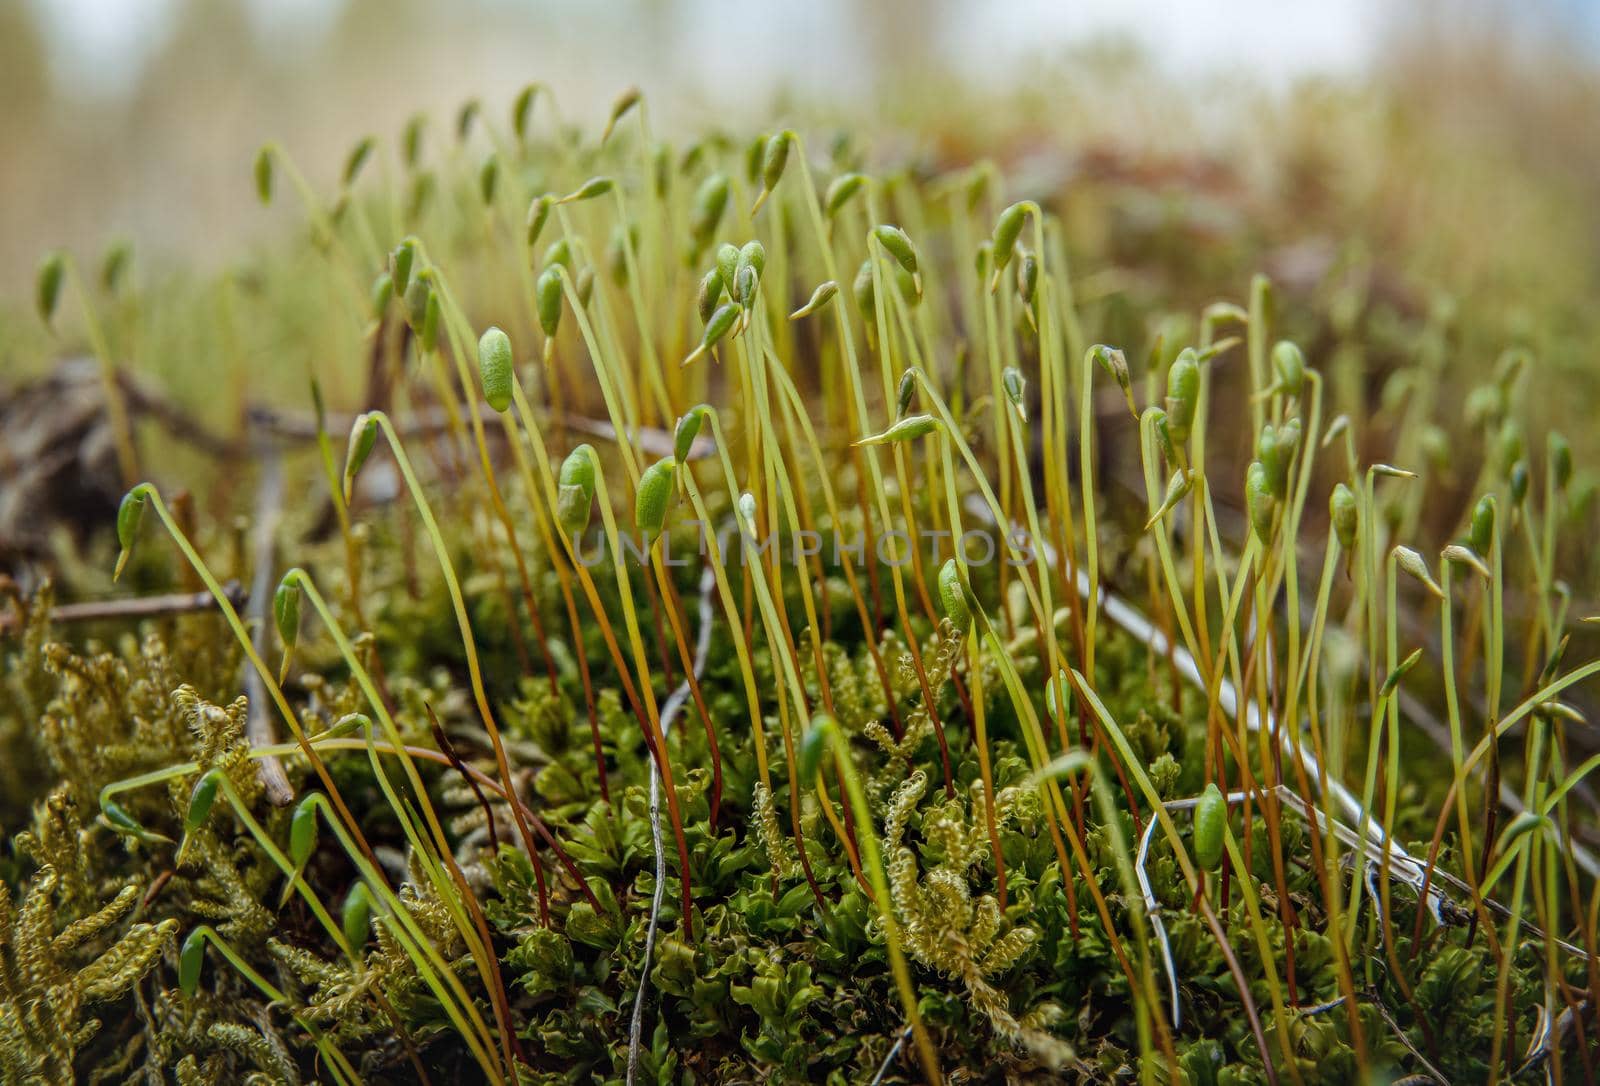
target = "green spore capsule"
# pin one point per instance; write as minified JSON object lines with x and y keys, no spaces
{"x":363,"y":437}
{"x":355,"y":160}
{"x":382,"y":293}
{"x":495,"y":368}
{"x":1560,"y":461}
{"x":1519,"y":482}
{"x":263,"y":175}
{"x":653,"y":498}
{"x":1183,"y":394}
{"x":897,"y":244}
{"x":129,"y":514}
{"x":575,"y":494}
{"x":812,"y":746}
{"x":720,"y":324}
{"x":201,"y":799}
{"x":303,"y":831}
{"x":1345,"y":513}
{"x":286,"y":610}
{"x":687,"y":430}
{"x":1209,"y":828}
{"x":840,"y":190}
{"x":488,"y":178}
{"x":538,"y":215}
{"x":1480,"y":534}
{"x":47,"y":285}
{"x":865,"y":292}
{"x":547,"y":299}
{"x":907,"y":429}
{"x":1016,"y":389}
{"x":557,"y":253}
{"x":400,"y":263}
{"x":522,"y":110}
{"x":953,"y":596}
{"x":595,"y":186}
{"x":820,"y":297}
{"x":709,"y":294}
{"x":1259,"y":501}
{"x":728,"y":264}
{"x":1290,"y":365}
{"x":190,"y":960}
{"x":903,"y":394}
{"x":356,"y":916}
{"x":773,"y":160}
{"x":710,"y":200}
{"x":1007,"y":228}
{"x":619,"y":109}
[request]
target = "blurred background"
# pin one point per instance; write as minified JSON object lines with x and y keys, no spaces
{"x":137,"y":119}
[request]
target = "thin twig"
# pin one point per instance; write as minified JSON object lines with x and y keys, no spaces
{"x":168,"y":603}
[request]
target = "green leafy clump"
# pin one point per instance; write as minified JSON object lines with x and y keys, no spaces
{"x":761,"y":688}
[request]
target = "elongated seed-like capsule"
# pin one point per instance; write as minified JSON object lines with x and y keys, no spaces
{"x":865,"y":292}
{"x":1267,"y":452}
{"x":1291,"y":366}
{"x":263,"y":175}
{"x":1519,"y":482}
{"x":728,"y":264}
{"x":1394,"y":677}
{"x":547,"y":298}
{"x":190,"y":959}
{"x":1052,"y":701}
{"x":1016,"y":388}
{"x":903,"y":394}
{"x":1007,"y":228}
{"x":363,"y":436}
{"x":286,"y":610}
{"x":1481,"y":533}
{"x":1027,"y":277}
{"x":1183,"y":393}
{"x":465,"y":116}
{"x":1560,"y":460}
{"x":400,"y":264}
{"x":411,"y":140}
{"x":488,"y":178}
{"x":719,"y":325}
{"x":1210,"y":824}
{"x":812,"y":746}
{"x":558,"y":252}
{"x":1259,"y":502}
{"x":773,"y":160}
{"x":201,"y":799}
{"x":120,"y":820}
{"x":129,"y":514}
{"x":115,"y":264}
{"x":356,"y":916}
{"x":752,"y":254}
{"x":522,"y":110}
{"x":710,"y":199}
{"x":840,"y":190}
{"x":47,"y":285}
{"x":356,"y":159}
{"x":687,"y":430}
{"x":655,"y":494}
{"x":953,"y":596}
{"x":1464,"y":556}
{"x":1411,"y":562}
{"x":495,"y":367}
{"x":382,"y":293}
{"x":747,"y":509}
{"x":907,"y":429}
{"x":595,"y":186}
{"x":710,"y":293}
{"x":819,"y":298}
{"x":575,"y":496}
{"x":538,"y":215}
{"x":1178,"y":488}
{"x":303,"y":830}
{"x":625,"y":101}
{"x":745,"y":281}
{"x":1345,"y":513}
{"x":898,"y":245}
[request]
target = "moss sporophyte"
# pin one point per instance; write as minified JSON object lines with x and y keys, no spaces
{"x":898,"y":689}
